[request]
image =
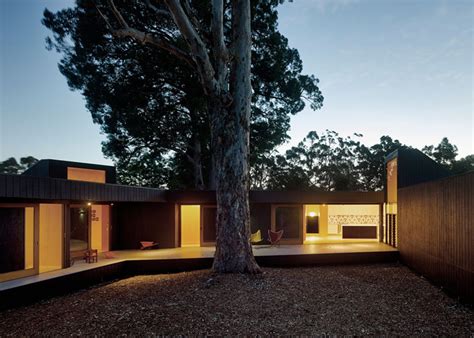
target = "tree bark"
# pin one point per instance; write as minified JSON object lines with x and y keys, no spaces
{"x":230,"y":138}
{"x":197,"y":164}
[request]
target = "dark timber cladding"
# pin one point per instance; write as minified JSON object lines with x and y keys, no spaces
{"x":415,"y":167}
{"x":19,"y":187}
{"x":436,"y":231}
{"x":58,"y":169}
{"x":137,"y":222}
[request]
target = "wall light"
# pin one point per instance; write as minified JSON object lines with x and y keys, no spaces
{"x":312,"y":214}
{"x":89,"y":204}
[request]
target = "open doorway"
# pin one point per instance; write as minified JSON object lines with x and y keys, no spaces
{"x":341,"y":223}
{"x":50,"y":237}
{"x":190,"y":225}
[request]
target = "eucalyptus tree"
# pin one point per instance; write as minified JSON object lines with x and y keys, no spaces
{"x":153,"y":108}
{"x":206,"y":46}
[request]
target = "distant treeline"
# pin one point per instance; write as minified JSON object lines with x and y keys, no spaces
{"x":325,"y":161}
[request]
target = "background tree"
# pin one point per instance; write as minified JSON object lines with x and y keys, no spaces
{"x":463,"y":165}
{"x":11,"y":165}
{"x":444,"y":153}
{"x":152,"y":107}
{"x":372,"y":162}
{"x":327,"y":161}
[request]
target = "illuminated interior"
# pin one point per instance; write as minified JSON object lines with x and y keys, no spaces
{"x":50,"y":237}
{"x":341,"y":223}
{"x":87,"y":175}
{"x":17,"y":238}
{"x":29,"y":238}
{"x":190,"y":225}
{"x":80,"y":230}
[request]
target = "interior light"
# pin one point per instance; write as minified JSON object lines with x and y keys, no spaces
{"x":111,"y":204}
{"x":89,"y":204}
{"x":312,"y":214}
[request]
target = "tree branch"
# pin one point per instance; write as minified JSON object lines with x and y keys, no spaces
{"x":117,"y":14}
{"x":143,"y":37}
{"x":156,"y":41}
{"x":197,"y":46}
{"x":219,"y":49}
{"x":157,"y":10}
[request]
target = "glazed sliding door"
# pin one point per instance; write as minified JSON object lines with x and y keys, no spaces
{"x":80,"y":230}
{"x":288,"y":218}
{"x":18,"y":241}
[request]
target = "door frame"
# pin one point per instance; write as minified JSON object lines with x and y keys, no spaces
{"x":208,"y":206}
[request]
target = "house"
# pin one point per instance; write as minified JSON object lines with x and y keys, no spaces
{"x":56,"y":210}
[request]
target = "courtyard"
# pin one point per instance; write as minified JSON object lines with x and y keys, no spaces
{"x":376,"y":299}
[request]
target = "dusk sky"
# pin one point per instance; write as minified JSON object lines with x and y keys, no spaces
{"x":398,"y":68}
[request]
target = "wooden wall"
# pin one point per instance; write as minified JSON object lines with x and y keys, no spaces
{"x":55,"y":189}
{"x":135,"y":222}
{"x":436,"y":231}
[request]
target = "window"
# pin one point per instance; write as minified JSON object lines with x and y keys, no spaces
{"x":87,"y":175}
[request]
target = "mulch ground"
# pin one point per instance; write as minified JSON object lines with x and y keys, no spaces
{"x":357,"y":300}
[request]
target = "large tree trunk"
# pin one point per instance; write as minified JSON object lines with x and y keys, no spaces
{"x":230,"y":116}
{"x":230,"y":127}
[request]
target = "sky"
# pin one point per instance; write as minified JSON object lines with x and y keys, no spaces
{"x":400,"y":68}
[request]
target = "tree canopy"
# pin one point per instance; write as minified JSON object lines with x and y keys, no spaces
{"x":12,"y":166}
{"x":329,"y":161}
{"x":151,"y":106}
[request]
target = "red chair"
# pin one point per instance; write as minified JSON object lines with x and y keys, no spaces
{"x":146,"y":245}
{"x":274,"y":237}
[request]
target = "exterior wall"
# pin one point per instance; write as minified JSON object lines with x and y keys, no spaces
{"x":436,"y":231}
{"x":135,"y":222}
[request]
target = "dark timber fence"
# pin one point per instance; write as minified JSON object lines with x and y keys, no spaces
{"x":436,"y":232}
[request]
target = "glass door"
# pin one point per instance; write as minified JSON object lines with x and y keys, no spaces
{"x":18,"y":241}
{"x":80,"y":230}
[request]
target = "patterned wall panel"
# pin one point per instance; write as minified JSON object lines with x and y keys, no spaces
{"x":353,"y":219}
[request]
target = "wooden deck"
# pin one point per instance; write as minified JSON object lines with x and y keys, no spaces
{"x":134,"y":262}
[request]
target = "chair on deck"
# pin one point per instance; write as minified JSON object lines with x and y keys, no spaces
{"x":91,"y":256}
{"x":274,"y":237}
{"x":256,"y":237}
{"x":147,"y":245}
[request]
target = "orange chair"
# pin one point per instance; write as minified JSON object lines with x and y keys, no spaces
{"x":146,"y":245}
{"x":274,"y":237}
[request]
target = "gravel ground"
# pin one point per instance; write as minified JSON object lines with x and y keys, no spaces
{"x":380,"y":299}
